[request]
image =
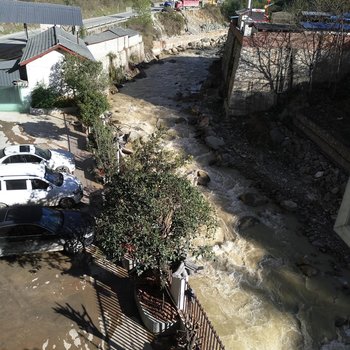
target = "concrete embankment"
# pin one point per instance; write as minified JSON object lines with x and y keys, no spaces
{"x":205,"y":39}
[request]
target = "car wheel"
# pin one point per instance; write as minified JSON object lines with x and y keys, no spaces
{"x":66,"y":203}
{"x":62,"y":169}
{"x":3,"y":205}
{"x":73,"y":247}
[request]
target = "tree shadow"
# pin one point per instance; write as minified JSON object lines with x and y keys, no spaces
{"x":83,"y":320}
{"x":120,"y":324}
{"x":36,"y":261}
{"x":44,"y":129}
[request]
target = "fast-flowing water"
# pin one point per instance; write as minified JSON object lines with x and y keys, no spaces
{"x":267,"y":287}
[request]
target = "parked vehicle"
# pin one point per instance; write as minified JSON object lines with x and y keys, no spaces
{"x":183,"y":4}
{"x":37,"y":184}
{"x":59,"y":160}
{"x":33,"y":229}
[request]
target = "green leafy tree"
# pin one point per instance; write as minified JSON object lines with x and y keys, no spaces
{"x":44,"y":97}
{"x":151,"y":213}
{"x":143,"y":9}
{"x":85,"y":80}
{"x":80,"y":75}
{"x":91,"y":105}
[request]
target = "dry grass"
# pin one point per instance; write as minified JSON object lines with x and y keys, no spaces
{"x":172,"y":21}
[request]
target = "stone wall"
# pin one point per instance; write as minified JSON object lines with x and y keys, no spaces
{"x":170,"y":43}
{"x":258,"y":68}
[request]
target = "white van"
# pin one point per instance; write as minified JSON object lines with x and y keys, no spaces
{"x":36,"y":184}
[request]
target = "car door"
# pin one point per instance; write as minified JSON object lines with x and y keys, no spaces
{"x":39,"y":239}
{"x":40,"y":193}
{"x":27,"y":238}
{"x":15,"y":192}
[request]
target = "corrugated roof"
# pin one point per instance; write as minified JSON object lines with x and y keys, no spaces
{"x":276,"y":27}
{"x":332,"y":27}
{"x":9,"y":72}
{"x":109,"y":34}
{"x":13,"y":11}
{"x":53,"y":37}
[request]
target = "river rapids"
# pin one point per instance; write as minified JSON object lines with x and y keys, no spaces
{"x":267,"y":287}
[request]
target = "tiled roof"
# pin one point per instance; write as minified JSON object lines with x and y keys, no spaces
{"x":54,"y":37}
{"x":109,"y":34}
{"x":9,"y":72}
{"x":12,"y":11}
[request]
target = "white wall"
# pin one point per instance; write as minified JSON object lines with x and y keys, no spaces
{"x":122,"y":47}
{"x":40,"y":70}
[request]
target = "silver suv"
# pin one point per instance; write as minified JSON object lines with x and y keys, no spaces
{"x":37,"y":184}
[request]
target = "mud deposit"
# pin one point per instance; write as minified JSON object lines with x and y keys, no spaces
{"x":268,"y":287}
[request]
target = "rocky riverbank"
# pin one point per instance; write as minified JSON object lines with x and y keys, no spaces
{"x":280,"y":274}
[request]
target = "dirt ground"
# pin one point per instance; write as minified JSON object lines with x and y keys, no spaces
{"x":55,"y":301}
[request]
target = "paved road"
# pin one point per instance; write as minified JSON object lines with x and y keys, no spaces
{"x":20,"y":37}
{"x":88,"y":23}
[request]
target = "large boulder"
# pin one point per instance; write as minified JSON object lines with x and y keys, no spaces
{"x":203,"y":178}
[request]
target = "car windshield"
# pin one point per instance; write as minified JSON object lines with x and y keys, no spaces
{"x":51,"y":219}
{"x":54,"y":177}
{"x":2,"y":153}
{"x":43,"y":153}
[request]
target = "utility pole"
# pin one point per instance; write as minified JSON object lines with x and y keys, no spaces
{"x":250,"y":7}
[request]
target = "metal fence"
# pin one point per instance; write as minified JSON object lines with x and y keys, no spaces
{"x":197,"y":322}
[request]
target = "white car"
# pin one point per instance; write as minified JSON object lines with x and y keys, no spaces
{"x":37,"y":184}
{"x":59,"y":160}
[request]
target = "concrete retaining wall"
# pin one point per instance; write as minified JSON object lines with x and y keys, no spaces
{"x":258,"y":68}
{"x":184,"y":40}
{"x":334,"y":149}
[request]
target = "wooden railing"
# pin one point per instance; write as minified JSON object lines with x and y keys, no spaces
{"x":195,"y":317}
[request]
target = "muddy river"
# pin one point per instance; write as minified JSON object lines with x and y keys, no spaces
{"x":267,"y":286}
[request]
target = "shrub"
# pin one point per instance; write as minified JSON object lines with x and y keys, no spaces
{"x":44,"y":97}
{"x":91,"y":105}
{"x":214,"y":12}
{"x":173,"y":22}
{"x":229,"y":7}
{"x":145,"y":27}
{"x":104,"y":148}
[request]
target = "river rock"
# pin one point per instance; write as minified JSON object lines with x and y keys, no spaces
{"x":202,"y":178}
{"x":308,"y":270}
{"x":318,"y":243}
{"x":335,"y":190}
{"x":340,"y":321}
{"x":214,"y":142}
{"x":289,"y":205}
{"x":246,"y":222}
{"x":319,"y":174}
{"x":204,"y":122}
{"x":253,"y":199}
